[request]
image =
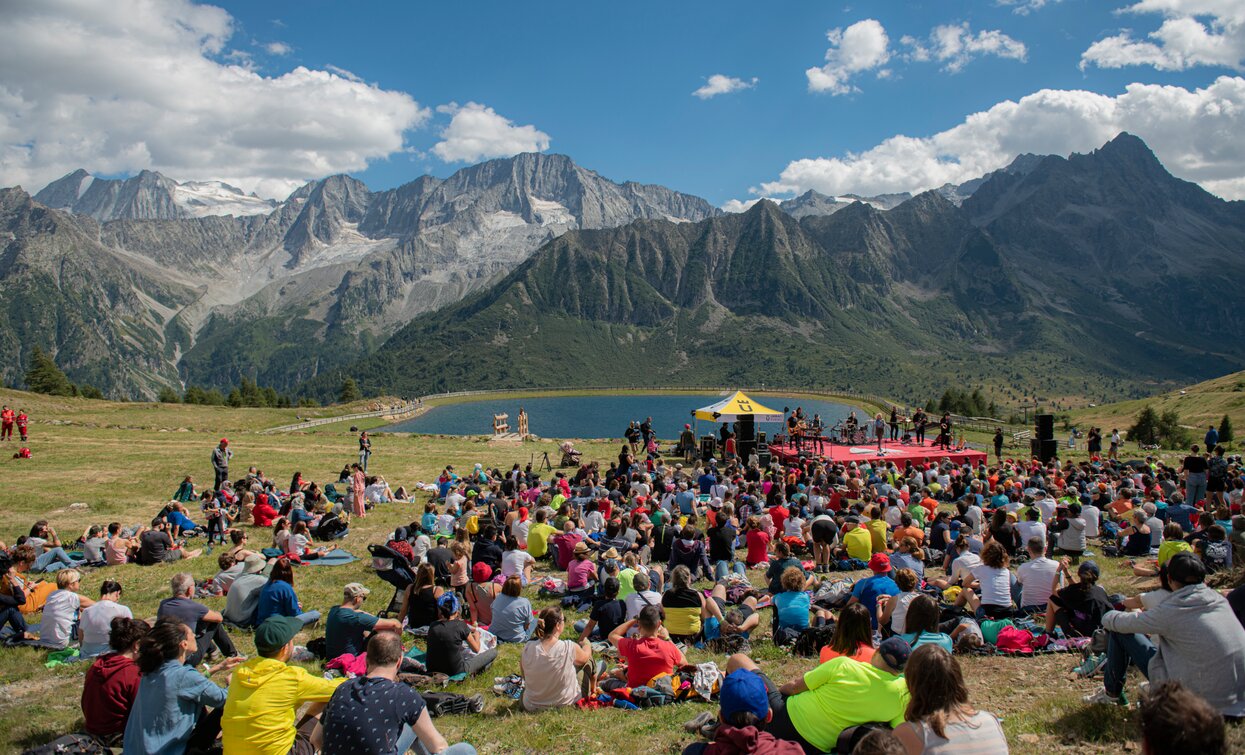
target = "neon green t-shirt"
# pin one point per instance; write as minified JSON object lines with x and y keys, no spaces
{"x":1170,"y":548}
{"x":842,"y":693}
{"x":917,"y":512}
{"x":626,"y":583}
{"x":538,"y":539}
{"x":859,"y":544}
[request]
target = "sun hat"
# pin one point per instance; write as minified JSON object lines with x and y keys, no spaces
{"x":276,"y":632}
{"x":254,"y":564}
{"x":481,"y":572}
{"x":895,"y":651}
{"x":743,"y":691}
{"x":880,"y":563}
{"x":580,"y":547}
{"x":355,"y":590}
{"x":611,"y":553}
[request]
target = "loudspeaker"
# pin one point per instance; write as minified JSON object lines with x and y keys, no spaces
{"x":746,"y":448}
{"x":761,"y":438}
{"x":1049,"y":450}
{"x":746,"y":428}
{"x":1035,"y":448}
{"x":1045,"y":426}
{"x":764,"y":457}
{"x":708,"y":446}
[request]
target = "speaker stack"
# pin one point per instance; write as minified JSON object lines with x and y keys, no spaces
{"x":746,"y":442}
{"x":708,"y":446}
{"x":1045,"y":447}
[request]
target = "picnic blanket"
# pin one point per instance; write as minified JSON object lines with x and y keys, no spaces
{"x":332,"y":558}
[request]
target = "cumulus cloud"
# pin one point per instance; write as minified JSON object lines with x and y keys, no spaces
{"x":1195,"y":132}
{"x":477,"y":132}
{"x":863,"y":46}
{"x":131,"y":84}
{"x":1193,"y":33}
{"x":954,"y":45}
{"x":722,"y":84}
{"x":739,"y":205}
{"x":278,"y":48}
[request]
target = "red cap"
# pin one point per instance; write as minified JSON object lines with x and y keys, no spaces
{"x":481,"y":572}
{"x":880,"y":563}
{"x":224,"y":441}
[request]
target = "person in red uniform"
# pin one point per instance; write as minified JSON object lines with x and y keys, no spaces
{"x":22,"y":422}
{"x":6,"y":423}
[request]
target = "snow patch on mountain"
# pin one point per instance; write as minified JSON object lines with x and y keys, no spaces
{"x":199,"y":199}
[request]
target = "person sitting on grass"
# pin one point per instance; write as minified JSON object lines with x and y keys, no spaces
{"x":744,"y":711}
{"x":446,"y":636}
{"x":792,"y":607}
{"x":1078,"y":608}
{"x":95,"y":626}
{"x":867,"y":591}
{"x":549,"y":666}
{"x":1173,"y":543}
{"x":650,"y":653}
{"x":1200,"y":642}
{"x":939,"y":717}
{"x":277,"y":597}
{"x":347,"y":626}
{"x":205,"y":622}
{"x":781,"y":562}
{"x":893,"y":609}
{"x":168,"y":713}
{"x":607,"y":613}
{"x":839,"y":694}
{"x":687,"y":609}
{"x":992,"y":580}
{"x":377,"y":714}
{"x":112,"y":683}
{"x":853,"y":636}
{"x":512,"y":613}
{"x":156,"y":546}
{"x":921,"y":625}
{"x":419,"y":602}
{"x":60,"y":614}
{"x":266,"y":693}
{"x":243,"y":595}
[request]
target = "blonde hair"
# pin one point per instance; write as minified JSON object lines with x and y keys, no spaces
{"x":458,"y":549}
{"x":66,"y":577}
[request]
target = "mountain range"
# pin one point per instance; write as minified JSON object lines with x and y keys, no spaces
{"x":1071,"y":276}
{"x":1056,"y":275}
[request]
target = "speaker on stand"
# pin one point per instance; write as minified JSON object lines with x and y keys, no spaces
{"x":708,"y":446}
{"x":1045,"y":447}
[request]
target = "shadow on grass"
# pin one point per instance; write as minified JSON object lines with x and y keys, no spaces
{"x":1096,"y":723}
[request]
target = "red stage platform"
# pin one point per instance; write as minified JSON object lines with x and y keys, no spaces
{"x":900,"y":453}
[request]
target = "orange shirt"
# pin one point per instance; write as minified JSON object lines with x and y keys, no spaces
{"x":914,"y":532}
{"x":864,"y":654}
{"x":930,"y":505}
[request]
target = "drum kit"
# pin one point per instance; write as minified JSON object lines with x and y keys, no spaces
{"x":847,"y":434}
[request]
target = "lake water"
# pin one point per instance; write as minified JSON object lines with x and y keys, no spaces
{"x":597,"y":416}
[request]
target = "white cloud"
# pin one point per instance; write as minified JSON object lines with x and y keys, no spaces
{"x":863,"y":46}
{"x":1193,"y":33}
{"x":738,"y":205}
{"x":954,"y":45}
{"x":131,"y":84}
{"x":1196,"y":134}
{"x":722,"y":84}
{"x":477,"y":132}
{"x":1024,"y":7}
{"x":278,"y":48}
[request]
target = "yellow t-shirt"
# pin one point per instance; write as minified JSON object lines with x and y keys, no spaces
{"x":264,"y":695}
{"x":859,"y":544}
{"x":1170,"y":548}
{"x":842,"y":693}
{"x":626,"y":583}
{"x":877,"y":534}
{"x":538,"y":539}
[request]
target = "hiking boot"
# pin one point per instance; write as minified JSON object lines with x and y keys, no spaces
{"x":1102,"y":697}
{"x":475,"y":703}
{"x":699,"y":722}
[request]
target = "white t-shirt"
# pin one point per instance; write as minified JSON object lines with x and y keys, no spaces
{"x":893,"y":514}
{"x":549,"y":675}
{"x":1047,"y":507}
{"x":996,"y":585}
{"x":793,"y":527}
{"x":900,"y":615}
{"x":1092,"y":516}
{"x":1036,"y":577}
{"x":594,"y":521}
{"x":96,"y":621}
{"x":962,"y":567}
{"x":636,"y":602}
{"x":420,"y":549}
{"x":58,"y":615}
{"x":1029,"y":530}
{"x":512,"y":562}
{"x":973,"y":514}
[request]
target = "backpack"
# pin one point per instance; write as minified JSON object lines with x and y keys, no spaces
{"x":331,"y":527}
{"x":812,"y":640}
{"x":442,"y":703}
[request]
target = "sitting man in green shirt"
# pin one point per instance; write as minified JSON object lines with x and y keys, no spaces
{"x":538,"y":536}
{"x":842,"y":693}
{"x":348,"y":626}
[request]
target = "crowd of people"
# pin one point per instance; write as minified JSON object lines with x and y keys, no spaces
{"x":661,"y":560}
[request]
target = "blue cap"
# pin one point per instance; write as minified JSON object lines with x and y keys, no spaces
{"x":895,"y":652}
{"x":743,"y":691}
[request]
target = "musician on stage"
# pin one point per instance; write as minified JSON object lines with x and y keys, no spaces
{"x":919,"y":421}
{"x":944,"y":431}
{"x":795,"y":428}
{"x":894,"y":423}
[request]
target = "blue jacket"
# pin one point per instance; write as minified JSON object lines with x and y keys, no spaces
{"x":276,"y":598}
{"x":167,"y":708}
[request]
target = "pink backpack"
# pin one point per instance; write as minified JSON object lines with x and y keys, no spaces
{"x":1013,"y":640}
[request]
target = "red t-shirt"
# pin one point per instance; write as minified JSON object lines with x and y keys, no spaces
{"x":6,"y":416}
{"x":263,"y":515}
{"x":108,"y":694}
{"x":779,"y":514}
{"x":646,"y":658}
{"x":758,"y":547}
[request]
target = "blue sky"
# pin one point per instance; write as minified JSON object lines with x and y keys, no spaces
{"x":611,"y":85}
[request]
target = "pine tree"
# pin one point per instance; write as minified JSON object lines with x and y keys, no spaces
{"x":1145,"y":427}
{"x":90,"y":391}
{"x":168,"y":396}
{"x":1225,"y":431}
{"x":45,"y":377}
{"x":235,"y":398}
{"x":195,"y":395}
{"x":350,"y":391}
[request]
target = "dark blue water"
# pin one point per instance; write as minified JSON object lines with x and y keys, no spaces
{"x":599,"y":416}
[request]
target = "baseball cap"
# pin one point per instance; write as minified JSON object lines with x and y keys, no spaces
{"x":1089,"y":567}
{"x":355,"y":590}
{"x":224,"y":441}
{"x":276,"y":632}
{"x":880,"y":563}
{"x":481,"y":572}
{"x":895,"y":652}
{"x":743,"y":691}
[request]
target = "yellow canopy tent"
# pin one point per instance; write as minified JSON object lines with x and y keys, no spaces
{"x":736,"y":406}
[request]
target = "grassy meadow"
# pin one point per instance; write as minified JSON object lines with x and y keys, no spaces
{"x":96,"y":462}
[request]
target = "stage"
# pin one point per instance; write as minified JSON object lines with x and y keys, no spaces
{"x":892,"y":451}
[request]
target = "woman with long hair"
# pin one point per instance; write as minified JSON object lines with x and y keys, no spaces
{"x":358,"y":483}
{"x":939,"y":719}
{"x":419,"y":604}
{"x":277,"y":598}
{"x":167,"y":715}
{"x":548,"y":665}
{"x":991,"y":597}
